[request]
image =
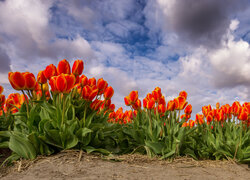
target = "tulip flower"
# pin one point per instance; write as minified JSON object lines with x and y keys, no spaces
{"x":50,"y":71}
{"x":101,"y":85}
{"x":243,"y":116}
{"x":109,"y":91}
{"x":92,"y":82}
{"x":137,"y":104}
{"x":157,"y":94}
{"x":171,"y":105}
{"x":63,"y":67}
{"x":83,"y":80}
{"x":1,"y":89}
{"x":2,"y":101}
{"x":78,"y":67}
{"x":17,"y":80}
{"x":41,"y":79}
{"x":180,"y":103}
{"x":183,"y":94}
{"x":89,"y":93}
{"x":30,"y":81}
{"x":188,"y":109}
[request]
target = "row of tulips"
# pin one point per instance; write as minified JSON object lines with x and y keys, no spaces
{"x":61,"y":108}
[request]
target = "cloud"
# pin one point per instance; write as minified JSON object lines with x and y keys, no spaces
{"x":200,"y":22}
{"x":25,"y":28}
{"x":4,"y":61}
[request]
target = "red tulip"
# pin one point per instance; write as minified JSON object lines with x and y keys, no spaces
{"x":41,"y":79}
{"x":133,"y":97}
{"x":63,"y":67}
{"x":171,"y":105}
{"x":183,"y":94}
{"x":50,"y":71}
{"x":109,"y":92}
{"x":92,"y":82}
{"x":78,"y":67}
{"x":2,"y":101}
{"x":180,"y":103}
{"x":30,"y":81}
{"x":1,"y":89}
{"x":101,"y":85}
{"x":17,"y":80}
{"x":243,"y":116}
{"x":83,"y":80}
{"x":188,"y":109}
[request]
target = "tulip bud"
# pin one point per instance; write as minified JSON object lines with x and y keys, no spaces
{"x":17,"y":80}
{"x":41,"y":79}
{"x":50,"y":71}
{"x":30,"y":81}
{"x":1,"y":89}
{"x":63,"y":67}
{"x":108,"y":92}
{"x":78,"y":67}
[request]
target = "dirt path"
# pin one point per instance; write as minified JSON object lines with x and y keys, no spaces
{"x":67,"y":165}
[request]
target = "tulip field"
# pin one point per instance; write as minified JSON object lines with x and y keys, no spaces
{"x":61,"y":109}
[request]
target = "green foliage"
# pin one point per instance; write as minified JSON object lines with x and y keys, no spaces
{"x":67,"y":122}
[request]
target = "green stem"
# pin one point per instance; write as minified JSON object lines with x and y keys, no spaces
{"x":63,"y":112}
{"x":150,"y":121}
{"x":26,"y":102}
{"x":84,"y":117}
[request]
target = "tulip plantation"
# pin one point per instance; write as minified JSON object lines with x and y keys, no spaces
{"x":60,"y":109}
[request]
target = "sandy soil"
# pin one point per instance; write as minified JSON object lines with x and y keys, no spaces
{"x":76,"y":165}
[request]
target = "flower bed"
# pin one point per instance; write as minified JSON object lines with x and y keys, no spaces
{"x":62,"y":109}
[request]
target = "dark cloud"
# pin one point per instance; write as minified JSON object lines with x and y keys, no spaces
{"x":4,"y":62}
{"x":204,"y":22}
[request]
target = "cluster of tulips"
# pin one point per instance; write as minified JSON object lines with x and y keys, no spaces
{"x":153,"y":101}
{"x":62,"y":81}
{"x":225,"y":113}
{"x":61,"y":108}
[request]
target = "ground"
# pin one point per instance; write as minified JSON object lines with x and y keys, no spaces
{"x":77,"y":165}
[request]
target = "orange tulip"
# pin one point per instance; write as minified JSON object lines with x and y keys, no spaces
{"x":157,"y":94}
{"x":41,"y":79}
{"x":108,"y":93}
{"x":180,"y":103}
{"x":89,"y":93}
{"x":111,"y":107}
{"x":137,"y":104}
{"x":191,"y":123}
{"x":183,"y":94}
{"x":199,"y":119}
{"x":17,"y":80}
{"x":52,"y":83}
{"x":92,"y":82}
{"x":150,"y":104}
{"x":70,"y":82}
{"x":83,"y":80}
{"x":243,"y":116}
{"x":171,"y":105}
{"x":161,"y":109}
{"x":162,"y":100}
{"x":209,"y":118}
{"x":101,"y":85}
{"x":63,"y":67}
{"x":133,"y":97}
{"x":2,"y":101}
{"x":30,"y":81}
{"x":96,"y":104}
{"x":188,"y":109}
{"x":1,"y":89}
{"x":78,"y":67}
{"x":126,"y":100}
{"x":50,"y":71}
{"x":217,"y":105}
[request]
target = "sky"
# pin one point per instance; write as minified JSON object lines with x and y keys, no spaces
{"x":200,"y":46}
